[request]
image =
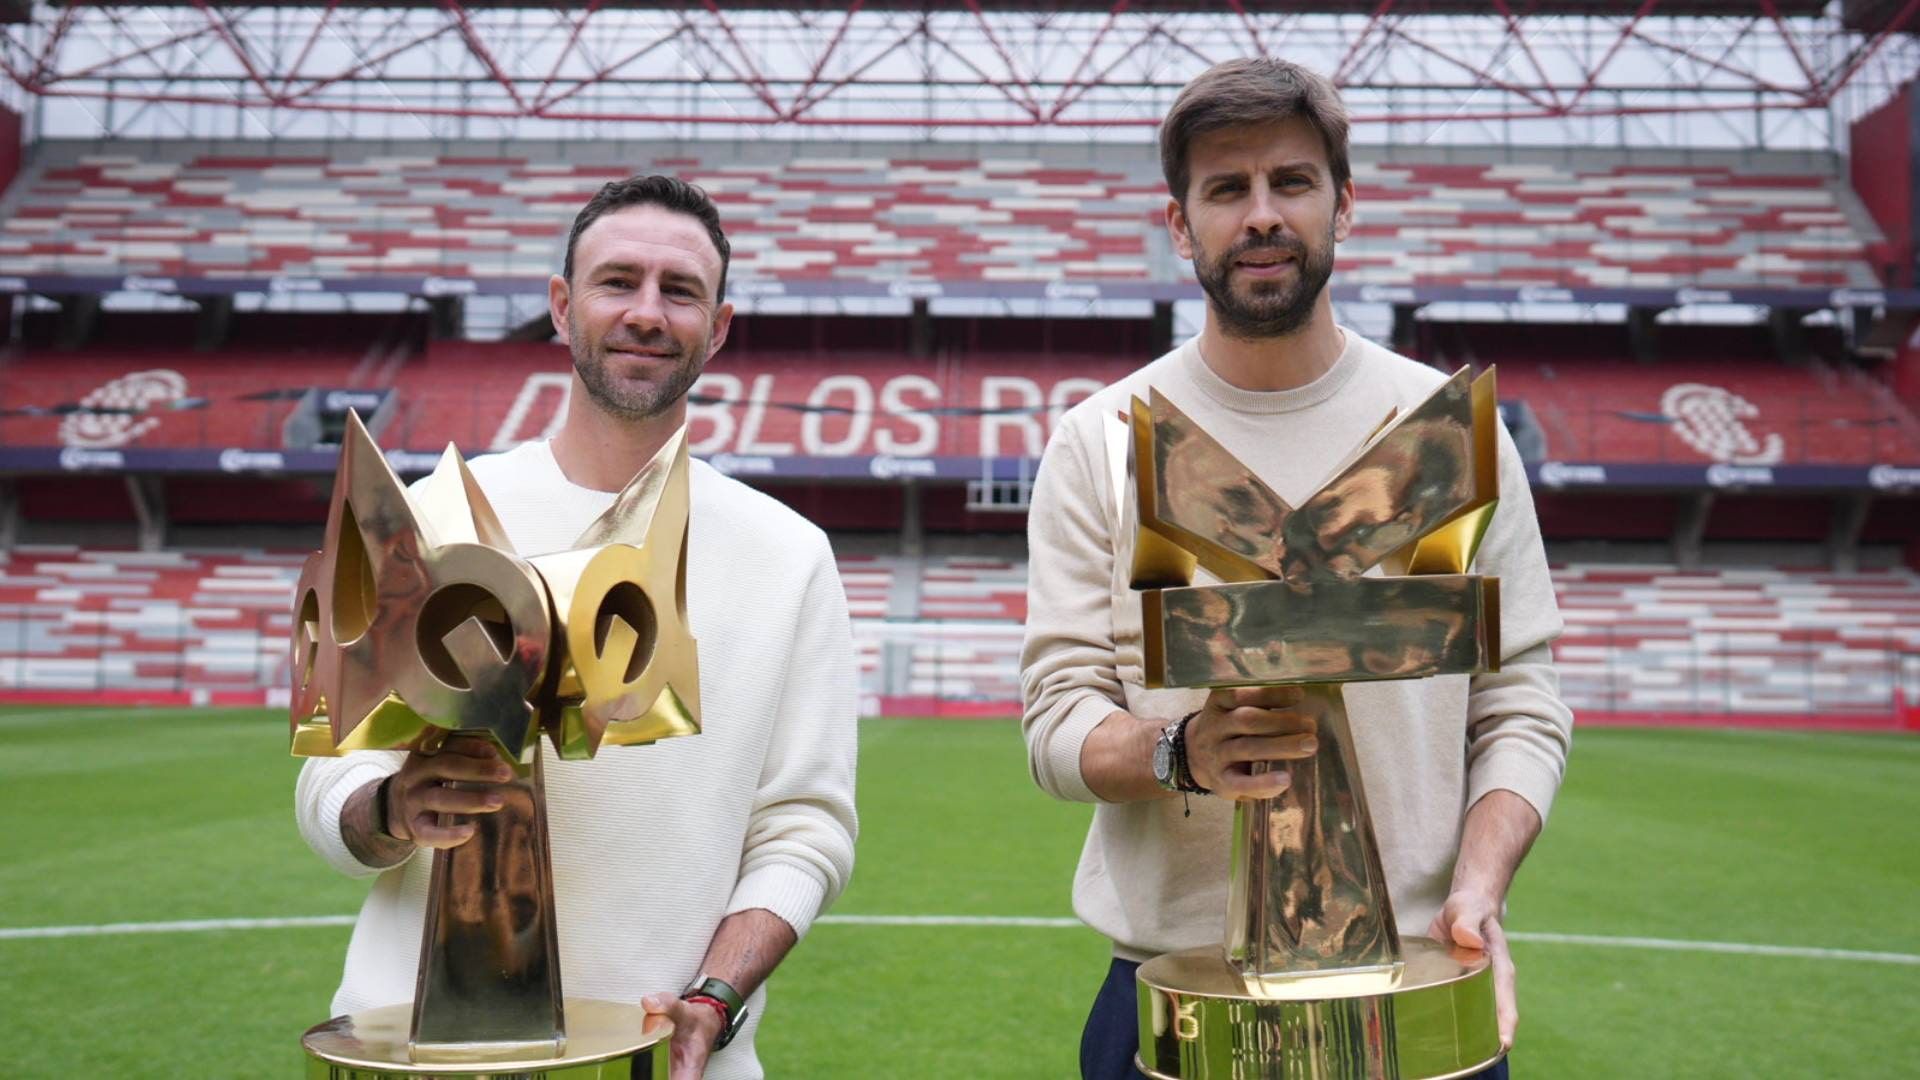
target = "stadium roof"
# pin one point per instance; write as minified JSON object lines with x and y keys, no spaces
{"x":1772,"y":73}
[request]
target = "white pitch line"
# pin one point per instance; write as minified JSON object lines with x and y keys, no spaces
{"x":184,"y":926}
{"x":1736,"y":948}
{"x":1047,"y":922}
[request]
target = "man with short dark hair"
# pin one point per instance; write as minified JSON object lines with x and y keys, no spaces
{"x":1460,"y":773}
{"x":683,"y":871}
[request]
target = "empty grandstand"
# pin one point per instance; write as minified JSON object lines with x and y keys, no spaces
{"x":1701,"y":324}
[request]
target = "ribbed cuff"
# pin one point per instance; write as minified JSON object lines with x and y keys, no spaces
{"x":789,"y":891}
{"x":332,"y":804}
{"x":1063,"y":748}
{"x":1513,"y":770}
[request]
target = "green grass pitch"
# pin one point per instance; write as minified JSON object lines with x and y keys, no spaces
{"x":1764,"y":838}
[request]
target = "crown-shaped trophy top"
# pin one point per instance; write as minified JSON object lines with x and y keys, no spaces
{"x":1415,"y":496}
{"x":418,"y":619}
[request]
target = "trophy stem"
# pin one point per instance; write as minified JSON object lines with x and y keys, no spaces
{"x":1307,"y":893}
{"x":489,"y":975}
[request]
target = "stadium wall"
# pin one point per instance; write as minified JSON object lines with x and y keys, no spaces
{"x":1883,"y":172}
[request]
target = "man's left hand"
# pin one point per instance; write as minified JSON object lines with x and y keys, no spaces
{"x":1472,"y":920}
{"x":695,"y":1027}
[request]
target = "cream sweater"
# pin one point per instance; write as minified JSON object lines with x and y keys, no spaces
{"x":654,"y":845}
{"x":1155,"y":881}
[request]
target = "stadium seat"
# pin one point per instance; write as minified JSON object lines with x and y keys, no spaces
{"x":1642,"y":642}
{"x":898,"y":213}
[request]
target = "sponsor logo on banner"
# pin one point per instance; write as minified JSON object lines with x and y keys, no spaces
{"x":1702,"y":296}
{"x":1712,"y":420}
{"x":742,"y":465}
{"x":364,"y":400}
{"x":1064,"y":290}
{"x":1387,"y":294}
{"x":887,"y":467}
{"x":128,"y":397}
{"x":1545,"y":294}
{"x":757,"y":287}
{"x":235,"y":460}
{"x":443,"y":286}
{"x":1892,"y":477}
{"x":294,"y":284}
{"x":80,"y":459}
{"x":412,"y":461}
{"x":1858,"y":298}
{"x":1724,"y":475}
{"x":914,"y":290}
{"x":13,"y":284}
{"x":1560,"y":474}
{"x":136,"y":283}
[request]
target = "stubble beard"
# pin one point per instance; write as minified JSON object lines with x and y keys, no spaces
{"x":1274,"y":309}
{"x":628,"y":401}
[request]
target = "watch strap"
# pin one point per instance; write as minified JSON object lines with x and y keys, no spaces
{"x":720,"y":993}
{"x":1182,"y":773}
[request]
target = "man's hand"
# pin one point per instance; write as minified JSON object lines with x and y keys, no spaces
{"x":695,"y":1026}
{"x":1237,"y":742}
{"x":418,"y":794}
{"x":1472,"y":920}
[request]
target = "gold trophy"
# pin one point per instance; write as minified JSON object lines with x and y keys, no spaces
{"x":1315,"y":980}
{"x":417,"y":622}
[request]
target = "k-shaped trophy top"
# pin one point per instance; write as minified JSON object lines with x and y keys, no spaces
{"x":1296,"y":603}
{"x":419,"y":620}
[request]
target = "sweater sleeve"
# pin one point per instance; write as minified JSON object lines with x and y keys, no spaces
{"x":1068,"y":673}
{"x":1518,"y":729}
{"x":321,"y":792}
{"x":799,"y":845}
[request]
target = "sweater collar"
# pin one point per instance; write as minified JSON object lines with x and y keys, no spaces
{"x":1272,"y":401}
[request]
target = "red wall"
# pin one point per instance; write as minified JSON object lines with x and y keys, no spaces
{"x":9,"y":146}
{"x":1883,"y":176}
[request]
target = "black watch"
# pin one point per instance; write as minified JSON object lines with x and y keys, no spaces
{"x":720,"y":990}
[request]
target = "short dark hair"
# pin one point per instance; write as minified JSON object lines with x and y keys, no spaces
{"x":669,"y":192}
{"x":1257,"y":91}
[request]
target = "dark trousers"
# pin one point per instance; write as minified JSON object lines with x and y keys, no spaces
{"x":1112,"y":1036}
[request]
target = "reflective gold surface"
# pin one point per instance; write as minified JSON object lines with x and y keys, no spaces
{"x":417,"y":620}
{"x":1200,"y":1019}
{"x":417,"y":613}
{"x":1200,"y":499}
{"x":1307,"y":897}
{"x":1335,"y":630}
{"x":605,"y":1040}
{"x":396,"y":631}
{"x":1307,"y":892}
{"x":490,"y":950}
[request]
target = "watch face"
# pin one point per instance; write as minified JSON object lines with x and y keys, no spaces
{"x":1162,"y":760}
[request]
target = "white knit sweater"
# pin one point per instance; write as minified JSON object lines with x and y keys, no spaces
{"x":652,"y":846}
{"x":1154,"y":880}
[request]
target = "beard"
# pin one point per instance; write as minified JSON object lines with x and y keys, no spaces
{"x":634,"y":400}
{"x":1268,"y":309}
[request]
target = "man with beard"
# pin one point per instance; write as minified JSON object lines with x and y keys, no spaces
{"x":1461,"y":772}
{"x":683,"y":871}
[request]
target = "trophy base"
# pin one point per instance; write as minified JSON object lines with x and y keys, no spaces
{"x":605,"y":1040}
{"x":1200,"y":1019}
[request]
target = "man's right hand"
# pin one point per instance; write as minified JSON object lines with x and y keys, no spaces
{"x":1239,"y":743}
{"x":419,"y":793}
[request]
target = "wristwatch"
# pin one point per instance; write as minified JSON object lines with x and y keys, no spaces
{"x":1170,"y":758}
{"x":721,"y":995}
{"x":1163,"y":764}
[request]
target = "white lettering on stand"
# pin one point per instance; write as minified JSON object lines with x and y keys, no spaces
{"x":718,"y":413}
{"x":756,"y":417}
{"x":1007,"y":392}
{"x":893,"y":403}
